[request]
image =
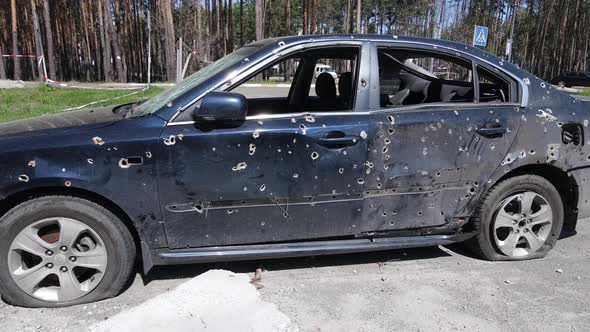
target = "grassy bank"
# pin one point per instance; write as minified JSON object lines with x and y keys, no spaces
{"x":586,"y":92}
{"x":29,"y":102}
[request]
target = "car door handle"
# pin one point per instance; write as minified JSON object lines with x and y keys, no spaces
{"x":492,"y":132}
{"x":337,"y":140}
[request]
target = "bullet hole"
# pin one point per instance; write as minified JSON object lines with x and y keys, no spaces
{"x":391,"y":119}
{"x":419,"y":213}
{"x":295,"y":176}
{"x":260,"y":123}
{"x":391,"y":131}
{"x":148,"y":154}
{"x":501,"y":63}
{"x":230,"y":211}
{"x":170,"y":140}
{"x":239,"y":167}
{"x":124,"y":163}
{"x":379,"y":185}
{"x":384,"y":214}
{"x":492,"y":146}
{"x":309,"y":118}
{"x":245,"y":188}
{"x":543,"y":85}
{"x":315,"y":155}
{"x":456,"y":113}
{"x":387,"y":157}
{"x":256,"y":134}
{"x":341,"y":170}
{"x":547,"y":115}
{"x":293,"y":120}
{"x":285,"y":215}
{"x":303,"y":128}
{"x":97,"y":140}
{"x":263,"y":187}
{"x":180,"y":136}
{"x":384,"y":150}
{"x":472,"y":190}
{"x":363,"y":135}
{"x":387,"y":141}
{"x":394,"y":212}
{"x":199,"y":208}
{"x":425,"y":151}
{"x":68,"y":183}
{"x":438,"y":173}
{"x":90,"y":161}
{"x":252,"y":149}
{"x":430,"y":205}
{"x":32,"y":163}
{"x":23,"y":178}
{"x":360,"y":181}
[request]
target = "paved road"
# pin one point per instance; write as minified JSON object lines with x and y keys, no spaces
{"x":424,"y":289}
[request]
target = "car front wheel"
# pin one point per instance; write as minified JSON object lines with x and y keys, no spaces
{"x":60,"y":250}
{"x":519,"y":218}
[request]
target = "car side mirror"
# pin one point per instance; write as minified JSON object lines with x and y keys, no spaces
{"x":221,"y":110}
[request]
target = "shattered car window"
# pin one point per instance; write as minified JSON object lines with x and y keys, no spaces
{"x":167,"y":96}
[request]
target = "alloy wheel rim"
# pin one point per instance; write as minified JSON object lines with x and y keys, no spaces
{"x":57,"y":259}
{"x":522,"y":223}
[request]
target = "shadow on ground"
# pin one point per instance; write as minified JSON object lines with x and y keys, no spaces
{"x":377,"y":257}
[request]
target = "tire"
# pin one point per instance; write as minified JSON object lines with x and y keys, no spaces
{"x":101,"y":255}
{"x":501,"y":223}
{"x":561,"y":84}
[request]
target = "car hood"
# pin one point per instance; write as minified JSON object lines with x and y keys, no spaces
{"x":85,"y":119}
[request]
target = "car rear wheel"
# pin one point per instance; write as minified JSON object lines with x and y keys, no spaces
{"x":59,"y":251}
{"x":519,"y":218}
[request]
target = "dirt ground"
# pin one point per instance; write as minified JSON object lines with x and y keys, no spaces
{"x":428,"y":289}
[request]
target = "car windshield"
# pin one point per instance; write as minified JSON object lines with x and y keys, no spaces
{"x":155,"y":103}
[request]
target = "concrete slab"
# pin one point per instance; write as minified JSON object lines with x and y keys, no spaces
{"x":217,"y":300}
{"x":9,"y":84}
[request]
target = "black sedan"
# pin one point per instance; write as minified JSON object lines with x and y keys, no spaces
{"x":386,"y":154}
{"x":572,"y":78}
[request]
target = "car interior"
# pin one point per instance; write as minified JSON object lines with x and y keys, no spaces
{"x":327,"y":93}
{"x":410,"y":77}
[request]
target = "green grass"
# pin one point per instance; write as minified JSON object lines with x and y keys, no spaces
{"x":24,"y":103}
{"x":586,"y":92}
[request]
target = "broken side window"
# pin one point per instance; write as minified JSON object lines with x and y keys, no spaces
{"x":492,"y":87}
{"x":410,"y":77}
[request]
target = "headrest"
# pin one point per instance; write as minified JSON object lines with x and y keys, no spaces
{"x":325,"y":87}
{"x":345,"y":85}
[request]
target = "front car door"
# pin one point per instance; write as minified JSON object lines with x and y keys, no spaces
{"x":431,"y":152}
{"x":280,"y":176}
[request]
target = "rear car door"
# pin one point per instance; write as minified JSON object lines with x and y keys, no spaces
{"x":278,"y":177}
{"x":428,"y":158}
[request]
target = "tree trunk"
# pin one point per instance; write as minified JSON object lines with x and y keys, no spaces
{"x":17,"y":71}
{"x":169,"y":41}
{"x":230,"y":26}
{"x":259,"y":9}
{"x":105,"y":42}
{"x":358,"y":16}
{"x":114,"y":37}
{"x":242,"y":22}
{"x":287,"y":17}
{"x":49,"y":36}
{"x":38,"y":40}
{"x":199,"y":29}
{"x":305,"y":21}
{"x":314,"y":21}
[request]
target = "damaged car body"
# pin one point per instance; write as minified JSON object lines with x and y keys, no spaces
{"x":411,"y":142}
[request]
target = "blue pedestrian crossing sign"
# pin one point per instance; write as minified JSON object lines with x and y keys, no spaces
{"x":480,"y":36}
